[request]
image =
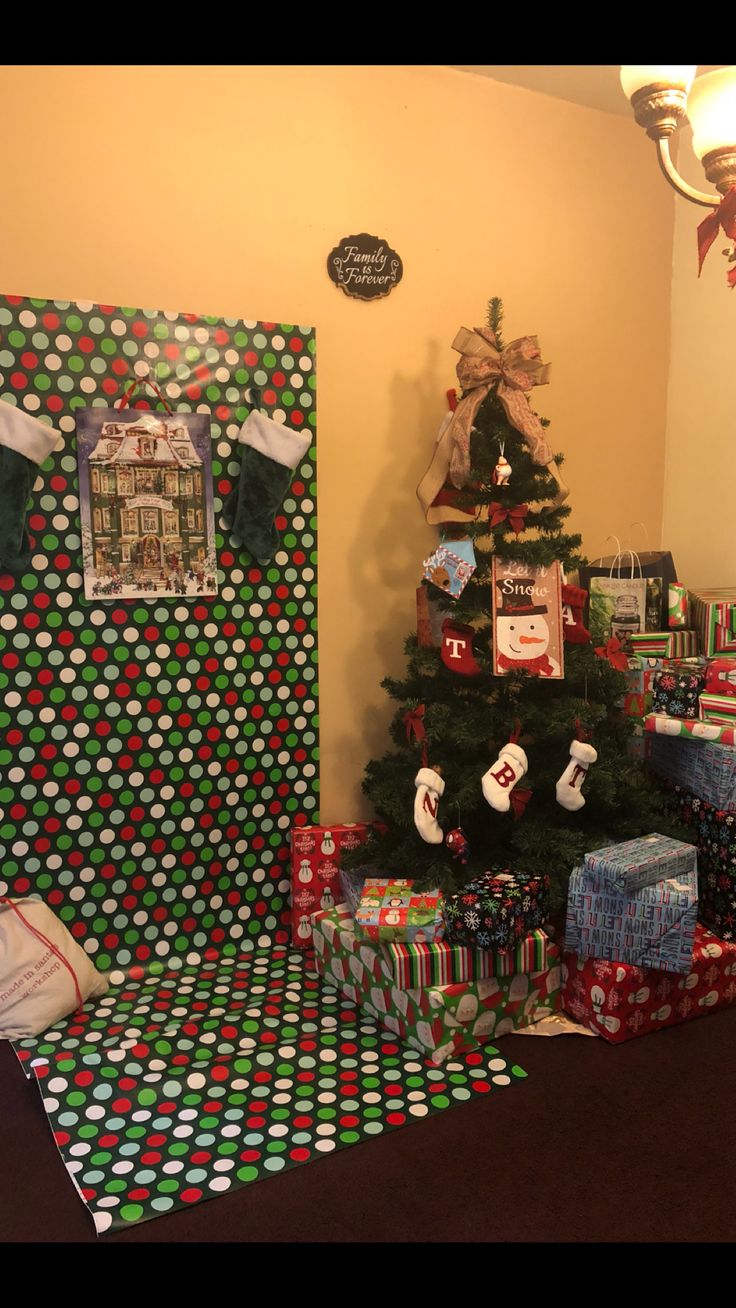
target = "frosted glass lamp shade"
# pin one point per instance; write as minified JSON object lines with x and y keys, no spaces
{"x":711,"y":108}
{"x":634,"y":77}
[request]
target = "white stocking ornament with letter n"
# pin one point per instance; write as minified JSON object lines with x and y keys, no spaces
{"x":430,"y":786}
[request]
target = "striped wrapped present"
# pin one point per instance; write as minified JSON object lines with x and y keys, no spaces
{"x":714,"y":618}
{"x":442,"y":964}
{"x":664,"y":644}
{"x":718,"y":708}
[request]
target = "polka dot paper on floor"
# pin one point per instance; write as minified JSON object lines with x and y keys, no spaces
{"x":192,"y":1083}
{"x":157,"y":743}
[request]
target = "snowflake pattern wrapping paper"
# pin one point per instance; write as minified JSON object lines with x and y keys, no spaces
{"x":676,"y":693}
{"x":620,"y":1001}
{"x":497,"y":909}
{"x":714,"y":832}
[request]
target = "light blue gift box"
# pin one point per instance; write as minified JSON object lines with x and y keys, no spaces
{"x":646,"y":926}
{"x":642,"y":861}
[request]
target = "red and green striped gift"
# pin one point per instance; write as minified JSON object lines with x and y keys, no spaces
{"x":441,"y":963}
{"x":664,"y":644}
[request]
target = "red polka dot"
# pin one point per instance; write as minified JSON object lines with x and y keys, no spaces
{"x":299,"y":1155}
{"x":191,"y":1196}
{"x":395,"y":1119}
{"x":481,"y":1087}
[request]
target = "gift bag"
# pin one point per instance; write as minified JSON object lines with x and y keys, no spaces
{"x":617,"y":604}
{"x":44,"y":974}
{"x":650,"y":564}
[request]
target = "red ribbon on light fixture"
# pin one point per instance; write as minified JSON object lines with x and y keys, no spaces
{"x":724,"y":216}
{"x":514,"y":514}
{"x":614,"y":653}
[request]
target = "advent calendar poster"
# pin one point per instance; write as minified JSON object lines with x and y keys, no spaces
{"x":145,"y":489}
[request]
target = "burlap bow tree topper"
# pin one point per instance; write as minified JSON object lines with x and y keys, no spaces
{"x":514,"y":371}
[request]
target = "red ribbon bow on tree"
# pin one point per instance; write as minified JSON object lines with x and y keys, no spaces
{"x":415,"y":730}
{"x":724,"y":216}
{"x":613,"y":651}
{"x":519,"y":800}
{"x":515,"y":514}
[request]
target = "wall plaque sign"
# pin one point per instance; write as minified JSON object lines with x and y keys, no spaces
{"x":364,"y":266}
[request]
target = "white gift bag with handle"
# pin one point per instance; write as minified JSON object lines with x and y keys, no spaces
{"x":44,"y":974}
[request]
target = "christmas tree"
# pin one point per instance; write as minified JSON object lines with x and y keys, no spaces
{"x":455,"y":723}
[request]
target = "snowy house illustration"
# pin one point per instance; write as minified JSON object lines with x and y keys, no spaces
{"x":147,"y":505}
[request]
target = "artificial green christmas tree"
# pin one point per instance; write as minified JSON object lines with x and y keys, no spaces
{"x":451,"y":726}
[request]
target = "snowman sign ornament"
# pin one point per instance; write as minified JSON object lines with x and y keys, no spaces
{"x":527,"y":619}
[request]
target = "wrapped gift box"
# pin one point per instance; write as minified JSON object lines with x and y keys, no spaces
{"x":637,"y":703}
{"x":714,"y":832}
{"x":620,"y":1001}
{"x":439,"y":1021}
{"x":497,"y":909}
{"x":641,"y":862}
{"x":351,"y":887}
{"x":677,"y":693}
{"x":442,"y":963}
{"x":714,"y":618}
{"x":718,"y":708}
{"x":649,"y":926}
{"x":664,"y":644}
{"x":720,"y":677}
{"x":636,"y":745}
{"x":315,"y":867}
{"x":661,"y":724}
{"x":390,"y":909}
{"x":706,"y":768}
{"x":677,"y":605}
{"x":640,"y":674}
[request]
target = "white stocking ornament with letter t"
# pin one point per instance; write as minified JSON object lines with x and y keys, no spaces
{"x":569,"y":787}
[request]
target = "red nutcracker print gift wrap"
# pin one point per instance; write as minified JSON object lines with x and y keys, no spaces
{"x":439,"y":1021}
{"x":315,"y":869}
{"x":620,"y":1001}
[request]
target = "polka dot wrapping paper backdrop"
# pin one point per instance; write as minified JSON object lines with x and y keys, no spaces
{"x":153,"y":757}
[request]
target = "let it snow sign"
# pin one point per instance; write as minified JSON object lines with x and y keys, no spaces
{"x":364,"y":266}
{"x":527,"y":619}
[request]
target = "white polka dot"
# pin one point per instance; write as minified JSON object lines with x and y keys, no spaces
{"x":103,"y":1221}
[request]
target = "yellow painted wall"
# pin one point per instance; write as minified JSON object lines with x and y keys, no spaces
{"x":700,"y":469}
{"x":222,"y":189}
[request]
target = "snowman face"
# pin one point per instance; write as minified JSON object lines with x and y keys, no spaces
{"x":522,"y":637}
{"x":304,"y":930}
{"x":305,"y":871}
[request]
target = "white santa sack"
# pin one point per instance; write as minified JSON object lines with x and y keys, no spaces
{"x":44,"y":975}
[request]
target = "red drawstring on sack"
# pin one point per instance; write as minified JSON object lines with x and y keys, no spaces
{"x":40,"y":936}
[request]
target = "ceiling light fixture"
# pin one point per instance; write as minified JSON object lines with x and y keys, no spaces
{"x":662,"y":96}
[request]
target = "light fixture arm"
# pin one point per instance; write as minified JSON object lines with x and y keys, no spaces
{"x":667,"y":165}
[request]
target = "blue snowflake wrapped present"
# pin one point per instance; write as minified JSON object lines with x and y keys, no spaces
{"x":497,"y":909}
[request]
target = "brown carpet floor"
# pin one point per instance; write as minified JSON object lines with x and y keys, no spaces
{"x":600,"y":1143}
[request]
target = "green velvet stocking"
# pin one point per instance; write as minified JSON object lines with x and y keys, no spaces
{"x":17,"y":475}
